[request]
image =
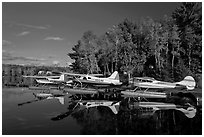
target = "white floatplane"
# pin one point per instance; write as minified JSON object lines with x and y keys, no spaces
{"x":46,"y":80}
{"x":92,"y":79}
{"x":151,"y":83}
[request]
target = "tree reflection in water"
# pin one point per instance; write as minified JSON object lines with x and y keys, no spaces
{"x":102,"y":121}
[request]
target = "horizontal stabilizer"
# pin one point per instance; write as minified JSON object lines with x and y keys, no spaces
{"x":190,"y":112}
{"x":189,"y":82}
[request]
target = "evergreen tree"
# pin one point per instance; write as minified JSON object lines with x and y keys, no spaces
{"x":188,"y":18}
{"x":168,"y":49}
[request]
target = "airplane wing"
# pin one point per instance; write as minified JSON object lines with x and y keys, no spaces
{"x":96,"y":75}
{"x":80,"y":75}
{"x":144,"y":78}
{"x":41,"y":76}
{"x":74,"y":74}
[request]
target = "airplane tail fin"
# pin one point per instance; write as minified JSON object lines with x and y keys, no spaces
{"x":62,"y":77}
{"x":115,"y":76}
{"x":114,"y":110}
{"x":189,"y":82}
{"x":115,"y":107}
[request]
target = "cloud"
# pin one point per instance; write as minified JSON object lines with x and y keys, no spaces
{"x":6,"y":43}
{"x":53,"y":38}
{"x":32,"y":26}
{"x":42,"y":64}
{"x":37,"y":64}
{"x":32,"y":59}
{"x":23,"y":33}
{"x":52,"y":56}
{"x":56,"y":62}
{"x":12,"y":58}
{"x":5,"y":54}
{"x":8,"y":56}
{"x":26,"y":25}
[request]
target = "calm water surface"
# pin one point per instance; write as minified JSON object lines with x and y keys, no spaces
{"x":36,"y":119}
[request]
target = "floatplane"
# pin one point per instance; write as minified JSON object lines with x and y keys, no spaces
{"x":44,"y":81}
{"x":150,"y":83}
{"x":90,"y":84}
{"x":95,"y":80}
{"x":115,"y":106}
{"x":48,"y":79}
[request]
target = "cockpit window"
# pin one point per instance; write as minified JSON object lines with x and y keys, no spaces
{"x":84,"y":78}
{"x":148,"y":81}
{"x":143,"y":80}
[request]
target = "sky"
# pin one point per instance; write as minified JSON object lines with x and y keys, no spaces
{"x":43,"y":33}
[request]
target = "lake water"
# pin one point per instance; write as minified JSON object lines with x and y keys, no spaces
{"x":36,"y":119}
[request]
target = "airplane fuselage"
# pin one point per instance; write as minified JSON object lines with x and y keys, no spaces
{"x":150,"y":83}
{"x":158,"y":85}
{"x":43,"y":81}
{"x":97,"y":81}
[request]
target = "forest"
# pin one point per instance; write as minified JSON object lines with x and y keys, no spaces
{"x":12,"y":75}
{"x":166,"y":49}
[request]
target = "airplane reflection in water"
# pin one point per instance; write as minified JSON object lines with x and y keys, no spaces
{"x":126,"y":121}
{"x":117,"y":106}
{"x":124,"y":115}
